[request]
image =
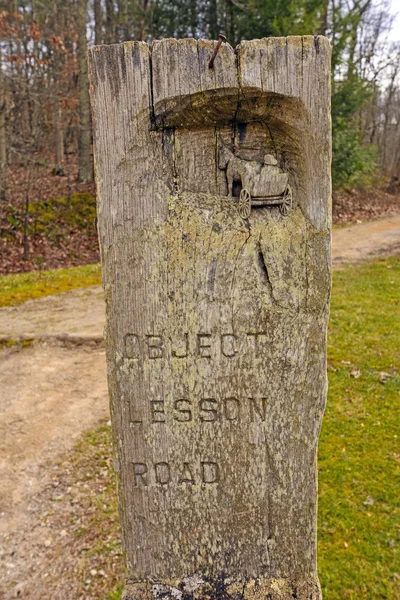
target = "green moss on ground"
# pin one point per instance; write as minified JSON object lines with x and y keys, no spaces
{"x":51,"y":216}
{"x":20,"y":287}
{"x":55,"y":217}
{"x":16,"y":343}
{"x":359,"y":485}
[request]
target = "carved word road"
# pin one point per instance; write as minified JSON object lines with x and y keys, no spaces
{"x":162,"y":473}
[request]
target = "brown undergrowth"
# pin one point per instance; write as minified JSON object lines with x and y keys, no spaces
{"x":61,"y":231}
{"x":360,"y":205}
{"x":59,"y":221}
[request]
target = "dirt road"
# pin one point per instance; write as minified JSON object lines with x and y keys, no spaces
{"x":366,"y":240}
{"x":79,"y":314}
{"x":53,"y":390}
{"x":48,"y":396}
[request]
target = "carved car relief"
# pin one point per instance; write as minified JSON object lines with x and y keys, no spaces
{"x":255,"y":183}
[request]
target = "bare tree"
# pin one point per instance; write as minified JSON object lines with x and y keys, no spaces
{"x":3,"y":137}
{"x":110,"y":22}
{"x":98,"y":23}
{"x":85,"y":161}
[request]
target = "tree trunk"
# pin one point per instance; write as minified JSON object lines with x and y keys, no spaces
{"x":324,"y":19}
{"x":3,"y":139}
{"x":58,"y":67}
{"x":193,"y":17}
{"x":35,"y":88}
{"x":29,"y":166}
{"x":98,"y":23}
{"x":84,"y":143}
{"x":123,"y":20}
{"x":110,"y":23}
{"x":59,"y":141}
{"x":388,"y":103}
{"x":213,"y":19}
{"x":143,"y":6}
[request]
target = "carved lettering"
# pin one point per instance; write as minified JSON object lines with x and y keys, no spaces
{"x":180,"y":350}
{"x":132,"y":346}
{"x":258,"y":409}
{"x":209,"y":472}
{"x":184,"y":414}
{"x":186,"y":475}
{"x":134,"y":418}
{"x":157,"y":411}
{"x":258,"y":340}
{"x":140,"y":474}
{"x":204,"y":345}
{"x":228,"y":345}
{"x":231,"y":409}
{"x":155,"y":346}
{"x":201,"y":345}
{"x":208,"y":409}
{"x":162,"y":473}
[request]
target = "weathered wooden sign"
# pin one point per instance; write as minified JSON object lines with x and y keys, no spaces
{"x":214,"y":222}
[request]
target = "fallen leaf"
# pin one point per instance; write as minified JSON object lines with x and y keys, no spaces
{"x":383,"y":376}
{"x":369,"y":501}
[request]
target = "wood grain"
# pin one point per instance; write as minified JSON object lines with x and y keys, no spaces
{"x":216,"y":325}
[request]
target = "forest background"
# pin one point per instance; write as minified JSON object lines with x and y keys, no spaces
{"x":47,"y":195}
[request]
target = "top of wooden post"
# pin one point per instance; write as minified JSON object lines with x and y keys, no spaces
{"x":171,"y":83}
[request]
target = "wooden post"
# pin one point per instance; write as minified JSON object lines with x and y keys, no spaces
{"x":214,"y":221}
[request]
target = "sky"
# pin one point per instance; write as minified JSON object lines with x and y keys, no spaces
{"x":395,"y":33}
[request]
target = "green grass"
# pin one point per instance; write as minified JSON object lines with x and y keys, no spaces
{"x":97,"y":543}
{"x":359,"y":485}
{"x":18,"y":288}
{"x":359,"y":453}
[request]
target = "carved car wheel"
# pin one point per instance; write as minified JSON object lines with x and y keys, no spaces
{"x":287,"y":201}
{"x":244,"y":206}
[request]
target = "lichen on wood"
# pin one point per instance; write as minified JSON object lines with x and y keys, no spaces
{"x":216,"y":323}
